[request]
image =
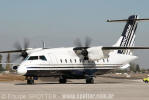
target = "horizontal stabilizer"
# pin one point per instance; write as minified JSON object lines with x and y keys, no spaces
{"x":125,"y":20}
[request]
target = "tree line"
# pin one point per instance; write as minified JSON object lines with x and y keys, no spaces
{"x":7,"y":66}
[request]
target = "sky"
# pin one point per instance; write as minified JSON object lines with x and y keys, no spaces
{"x":60,"y":22}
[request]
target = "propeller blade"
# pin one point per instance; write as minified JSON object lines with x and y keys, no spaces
{"x":17,"y":46}
{"x":77,"y":42}
{"x":88,"y":42}
{"x":26,"y":43}
{"x":21,"y":52}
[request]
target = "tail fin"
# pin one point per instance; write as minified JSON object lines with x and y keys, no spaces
{"x":127,"y":38}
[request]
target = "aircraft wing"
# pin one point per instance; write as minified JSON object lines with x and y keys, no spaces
{"x":99,"y":52}
{"x":80,"y":48}
{"x":9,"y":63}
{"x":124,"y":48}
{"x":12,"y":51}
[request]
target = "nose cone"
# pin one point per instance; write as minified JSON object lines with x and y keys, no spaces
{"x":21,"y":70}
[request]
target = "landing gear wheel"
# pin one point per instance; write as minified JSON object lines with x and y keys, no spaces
{"x":89,"y":81}
{"x":30,"y":80}
{"x":62,"y":80}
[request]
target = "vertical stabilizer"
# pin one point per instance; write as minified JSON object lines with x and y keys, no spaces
{"x":127,"y":38}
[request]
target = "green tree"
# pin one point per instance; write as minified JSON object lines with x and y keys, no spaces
{"x":137,"y":68}
{"x":132,"y":67}
{"x":8,"y":67}
{"x":1,"y":67}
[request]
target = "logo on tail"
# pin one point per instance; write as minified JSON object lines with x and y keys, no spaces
{"x":128,"y":35}
{"x":127,"y":38}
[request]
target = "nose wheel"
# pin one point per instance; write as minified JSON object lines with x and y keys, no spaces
{"x":30,"y":80}
{"x":62,"y":79}
{"x":90,"y":80}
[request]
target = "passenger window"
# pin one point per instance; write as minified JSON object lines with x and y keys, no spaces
{"x":66,"y":60}
{"x":80,"y":60}
{"x":75,"y":61}
{"x":61,"y":60}
{"x":70,"y":60}
{"x":33,"y":58}
{"x":107,"y":60}
{"x":26,"y":58}
{"x":43,"y":58}
{"x":103,"y":60}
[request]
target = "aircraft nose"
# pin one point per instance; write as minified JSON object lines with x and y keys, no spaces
{"x":21,"y":70}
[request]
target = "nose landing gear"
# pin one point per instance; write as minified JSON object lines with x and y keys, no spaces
{"x":30,"y":80}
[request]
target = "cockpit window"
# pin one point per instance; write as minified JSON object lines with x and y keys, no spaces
{"x":33,"y":58}
{"x":42,"y":58}
{"x":26,"y":58}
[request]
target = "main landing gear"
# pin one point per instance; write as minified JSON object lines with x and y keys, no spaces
{"x":90,"y":80}
{"x":62,"y":79}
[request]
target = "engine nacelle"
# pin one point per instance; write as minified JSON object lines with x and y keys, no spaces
{"x":96,"y":53}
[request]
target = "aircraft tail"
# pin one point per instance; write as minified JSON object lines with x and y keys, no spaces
{"x":128,"y":35}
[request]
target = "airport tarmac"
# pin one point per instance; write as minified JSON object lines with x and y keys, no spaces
{"x":103,"y":89}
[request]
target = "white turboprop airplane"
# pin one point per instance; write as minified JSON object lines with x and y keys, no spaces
{"x":80,"y":62}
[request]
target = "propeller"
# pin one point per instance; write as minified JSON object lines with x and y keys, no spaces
{"x":82,"y":50}
{"x":23,"y":49}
